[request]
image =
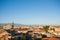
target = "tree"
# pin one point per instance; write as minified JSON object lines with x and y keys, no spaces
{"x":46,"y":28}
{"x":51,"y":28}
{"x":54,"y":29}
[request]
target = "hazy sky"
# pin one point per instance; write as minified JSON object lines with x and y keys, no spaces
{"x":30,"y":11}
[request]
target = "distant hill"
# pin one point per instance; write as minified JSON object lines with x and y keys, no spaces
{"x":15,"y":24}
{"x":2,"y":24}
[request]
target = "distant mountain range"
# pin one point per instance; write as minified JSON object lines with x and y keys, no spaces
{"x":15,"y":24}
{"x":2,"y":24}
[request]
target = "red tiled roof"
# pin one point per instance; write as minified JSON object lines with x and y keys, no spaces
{"x":53,"y":39}
{"x":50,"y":39}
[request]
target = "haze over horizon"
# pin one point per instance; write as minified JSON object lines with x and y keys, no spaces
{"x":43,"y":12}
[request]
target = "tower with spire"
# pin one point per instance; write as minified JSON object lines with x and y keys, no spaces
{"x":12,"y":25}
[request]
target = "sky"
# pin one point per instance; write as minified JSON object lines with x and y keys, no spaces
{"x":42,"y":12}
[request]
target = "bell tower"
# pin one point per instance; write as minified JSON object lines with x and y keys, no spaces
{"x":12,"y":25}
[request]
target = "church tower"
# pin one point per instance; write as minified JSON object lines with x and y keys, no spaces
{"x":12,"y":25}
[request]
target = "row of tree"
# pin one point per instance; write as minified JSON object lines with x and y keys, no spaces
{"x":46,"y":28}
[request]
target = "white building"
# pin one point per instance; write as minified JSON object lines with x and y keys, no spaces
{"x":7,"y":26}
